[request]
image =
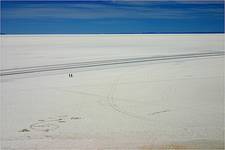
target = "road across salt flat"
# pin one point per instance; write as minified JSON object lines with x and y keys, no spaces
{"x":44,"y":68}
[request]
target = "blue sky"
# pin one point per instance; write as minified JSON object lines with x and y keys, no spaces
{"x":85,"y":17}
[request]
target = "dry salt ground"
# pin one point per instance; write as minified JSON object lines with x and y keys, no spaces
{"x":168,"y":104}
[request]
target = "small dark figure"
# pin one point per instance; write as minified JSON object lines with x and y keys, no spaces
{"x":24,"y":130}
{"x":70,"y":75}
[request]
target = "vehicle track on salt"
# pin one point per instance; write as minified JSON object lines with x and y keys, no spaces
{"x":89,"y":64}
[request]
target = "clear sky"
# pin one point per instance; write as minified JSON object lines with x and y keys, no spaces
{"x":85,"y":17}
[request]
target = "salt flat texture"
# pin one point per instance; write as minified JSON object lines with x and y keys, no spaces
{"x":33,"y":50}
{"x":174,"y":104}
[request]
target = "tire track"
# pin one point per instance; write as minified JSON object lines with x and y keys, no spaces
{"x":44,"y":68}
{"x":111,"y":101}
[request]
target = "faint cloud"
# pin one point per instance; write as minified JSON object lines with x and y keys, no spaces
{"x":108,"y":9}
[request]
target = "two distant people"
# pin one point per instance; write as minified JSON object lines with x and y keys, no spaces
{"x":70,"y":75}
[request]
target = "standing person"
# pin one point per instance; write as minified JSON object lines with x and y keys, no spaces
{"x":70,"y":75}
